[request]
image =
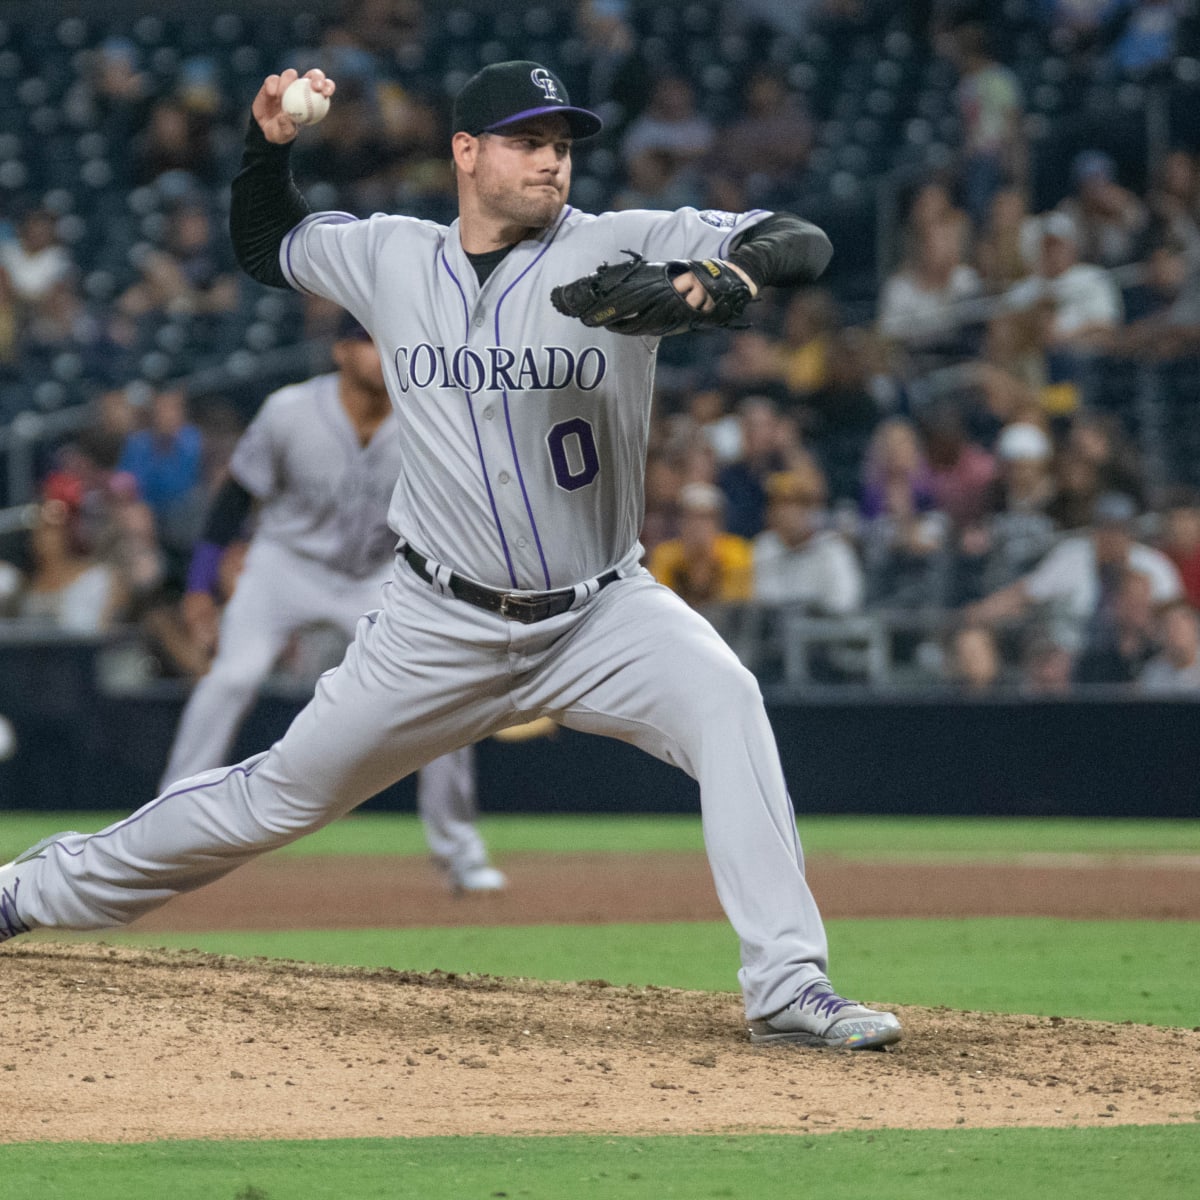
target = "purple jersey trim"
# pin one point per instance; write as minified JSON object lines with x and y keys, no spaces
{"x":285,"y":252}
{"x":149,"y":808}
{"x":512,"y":441}
{"x":487,"y":483}
{"x":739,"y":228}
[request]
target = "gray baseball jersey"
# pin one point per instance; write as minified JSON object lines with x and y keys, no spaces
{"x":322,"y":492}
{"x":540,"y":498}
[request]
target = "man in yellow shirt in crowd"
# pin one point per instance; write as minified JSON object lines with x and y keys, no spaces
{"x":704,"y":565}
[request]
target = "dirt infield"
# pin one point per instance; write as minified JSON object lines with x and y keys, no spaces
{"x":123,"y":1045}
{"x":331,"y":893}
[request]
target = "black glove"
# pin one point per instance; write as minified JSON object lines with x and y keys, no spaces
{"x":639,"y":297}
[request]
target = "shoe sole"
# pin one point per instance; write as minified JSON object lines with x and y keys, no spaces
{"x":867,"y":1039}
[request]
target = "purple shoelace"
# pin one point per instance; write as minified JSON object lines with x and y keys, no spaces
{"x":822,"y":999}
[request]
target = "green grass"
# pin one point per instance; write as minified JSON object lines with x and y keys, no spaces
{"x":1137,"y":971}
{"x":1070,"y":1164}
{"x":853,"y":836}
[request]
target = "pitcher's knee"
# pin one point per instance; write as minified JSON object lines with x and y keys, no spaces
{"x":724,"y":691}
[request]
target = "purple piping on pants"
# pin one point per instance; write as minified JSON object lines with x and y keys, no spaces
{"x":487,"y":483}
{"x":537,"y":538}
{"x":286,"y":250}
{"x":137,"y":816}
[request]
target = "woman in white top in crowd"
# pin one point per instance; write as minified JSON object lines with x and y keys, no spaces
{"x":66,"y":587}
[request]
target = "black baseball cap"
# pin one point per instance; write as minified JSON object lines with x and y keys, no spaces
{"x":506,"y":92}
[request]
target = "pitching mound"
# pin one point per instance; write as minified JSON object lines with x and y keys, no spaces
{"x":124,"y":1045}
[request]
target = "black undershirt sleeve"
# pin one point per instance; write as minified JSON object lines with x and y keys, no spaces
{"x":265,"y":205}
{"x":227,"y":513}
{"x":782,"y":251}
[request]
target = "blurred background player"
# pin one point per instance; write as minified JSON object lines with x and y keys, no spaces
{"x":319,"y":461}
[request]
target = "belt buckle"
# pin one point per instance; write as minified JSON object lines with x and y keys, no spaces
{"x":519,"y":608}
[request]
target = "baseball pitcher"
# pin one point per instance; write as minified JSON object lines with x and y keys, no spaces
{"x":519,"y":347}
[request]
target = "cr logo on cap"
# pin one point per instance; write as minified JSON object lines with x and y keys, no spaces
{"x":543,"y":79}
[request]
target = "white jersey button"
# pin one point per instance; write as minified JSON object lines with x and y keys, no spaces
{"x":478,"y":322}
{"x":521,"y":543}
{"x":489,"y":413}
{"x":503,"y":477}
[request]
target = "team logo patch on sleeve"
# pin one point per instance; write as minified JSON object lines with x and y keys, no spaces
{"x":718,"y":219}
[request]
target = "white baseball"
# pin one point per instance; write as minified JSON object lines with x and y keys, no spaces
{"x":302,"y":104}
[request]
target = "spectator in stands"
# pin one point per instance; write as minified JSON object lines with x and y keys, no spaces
{"x":902,"y":533}
{"x":1076,"y":305}
{"x":1176,"y":668}
{"x":1077,"y":580}
{"x":1077,"y":487}
{"x":35,"y":262}
{"x":660,"y":521}
{"x":1164,"y":310}
{"x":64,"y":323}
{"x":655,"y":180}
{"x":189,"y":274}
{"x":114,"y":414}
{"x":973,"y":659}
{"x":1174,"y":202}
{"x":1120,"y":639}
{"x":922,"y":304}
{"x":613,"y":74}
{"x":112,"y":94}
{"x":704,"y":565}
{"x":176,"y":138}
{"x":670,"y":124}
{"x":66,"y":587}
{"x":1181,"y":542}
{"x":1146,"y":42}
{"x":1007,"y":248}
{"x":932,"y":207}
{"x":769,"y":443}
{"x":1100,"y":440}
{"x":165,"y":460}
{"x":708,"y":412}
{"x":990,"y":112}
{"x":962,"y":472}
{"x":1016,"y":530}
{"x":1046,"y":667}
{"x":797,"y":560}
{"x":800,"y":359}
{"x":897,"y":480}
{"x":767,"y":146}
{"x":1109,"y":220}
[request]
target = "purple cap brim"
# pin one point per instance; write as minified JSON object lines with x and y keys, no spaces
{"x":584,"y":124}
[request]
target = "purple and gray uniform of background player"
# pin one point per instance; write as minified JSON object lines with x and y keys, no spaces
{"x":320,"y":552}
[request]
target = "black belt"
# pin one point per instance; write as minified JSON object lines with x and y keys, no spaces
{"x":527,"y":607}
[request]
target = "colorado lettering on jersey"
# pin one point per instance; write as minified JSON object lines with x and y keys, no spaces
{"x":499,"y":368}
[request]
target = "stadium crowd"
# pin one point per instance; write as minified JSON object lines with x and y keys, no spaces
{"x":929,"y":463}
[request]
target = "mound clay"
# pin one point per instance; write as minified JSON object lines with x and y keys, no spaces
{"x":122,"y":1045}
{"x":112,"y":1044}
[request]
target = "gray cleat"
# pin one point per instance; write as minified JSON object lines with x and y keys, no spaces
{"x":820,"y":1017}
